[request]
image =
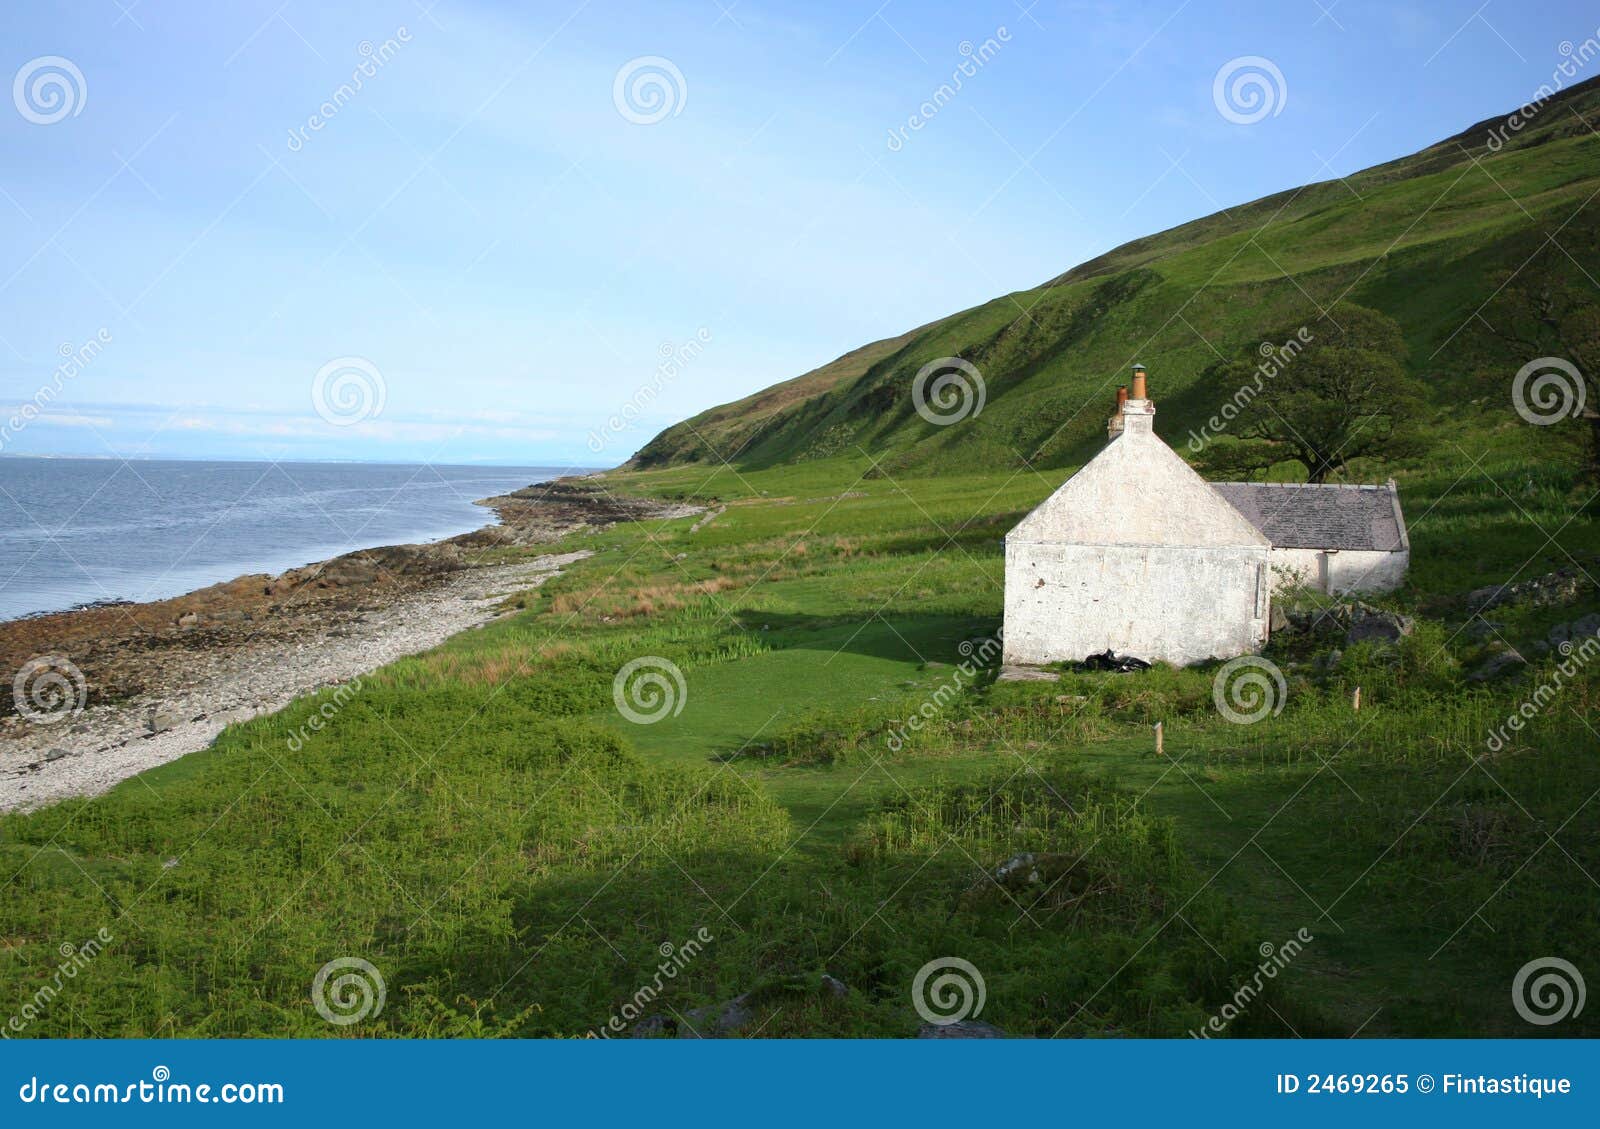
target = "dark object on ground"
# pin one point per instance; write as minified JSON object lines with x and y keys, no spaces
{"x":1108,"y":660}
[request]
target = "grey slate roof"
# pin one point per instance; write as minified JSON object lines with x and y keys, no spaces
{"x":1306,"y":516}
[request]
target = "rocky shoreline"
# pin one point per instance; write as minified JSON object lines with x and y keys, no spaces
{"x":153,"y":682}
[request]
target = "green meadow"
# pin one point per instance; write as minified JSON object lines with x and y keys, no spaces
{"x":515,"y":857}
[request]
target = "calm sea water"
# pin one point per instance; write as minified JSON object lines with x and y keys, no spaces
{"x":78,"y":530}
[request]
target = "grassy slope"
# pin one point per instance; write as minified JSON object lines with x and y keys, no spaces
{"x":1424,"y":239}
{"x":482,"y":825}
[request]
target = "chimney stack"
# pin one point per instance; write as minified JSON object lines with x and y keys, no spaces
{"x":1134,"y":411}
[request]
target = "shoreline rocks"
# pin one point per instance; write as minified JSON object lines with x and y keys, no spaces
{"x":159,"y":680}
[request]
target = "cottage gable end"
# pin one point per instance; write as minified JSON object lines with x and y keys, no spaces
{"x":1137,"y":491}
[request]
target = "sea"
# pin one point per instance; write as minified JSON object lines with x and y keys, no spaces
{"x":78,"y":531}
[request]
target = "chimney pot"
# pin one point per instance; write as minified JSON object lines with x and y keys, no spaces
{"x":1139,"y":387}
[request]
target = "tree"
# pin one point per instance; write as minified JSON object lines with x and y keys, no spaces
{"x":1240,"y":459}
{"x":1542,"y":313}
{"x":1345,"y":395}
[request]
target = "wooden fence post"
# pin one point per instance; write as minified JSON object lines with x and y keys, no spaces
{"x":1160,"y":752}
{"x":1355,"y":700}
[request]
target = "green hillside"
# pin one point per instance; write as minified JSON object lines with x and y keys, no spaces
{"x":1426,"y":239}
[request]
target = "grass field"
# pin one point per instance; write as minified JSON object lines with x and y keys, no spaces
{"x":513,"y":856}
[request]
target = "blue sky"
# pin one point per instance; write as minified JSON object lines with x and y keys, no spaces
{"x":482,"y":235}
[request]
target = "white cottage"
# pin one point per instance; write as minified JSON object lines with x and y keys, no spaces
{"x":1139,"y":555}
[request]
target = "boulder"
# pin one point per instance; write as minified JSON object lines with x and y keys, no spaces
{"x":160,"y":720}
{"x":718,"y":1020}
{"x":1027,"y":674}
{"x":1368,"y":624}
{"x":1500,"y":663}
{"x":651,"y":1027}
{"x":833,"y":987}
{"x":961,"y":1029}
{"x":1559,"y":587}
{"x":1575,"y":630}
{"x":1018,"y":870}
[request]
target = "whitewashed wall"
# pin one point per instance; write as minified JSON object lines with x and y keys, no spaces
{"x":1136,"y":553}
{"x":1349,"y":570}
{"x":1158,"y":603}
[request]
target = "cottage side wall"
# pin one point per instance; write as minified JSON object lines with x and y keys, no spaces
{"x":1349,"y":570}
{"x":1361,"y":570}
{"x":1180,"y":605}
